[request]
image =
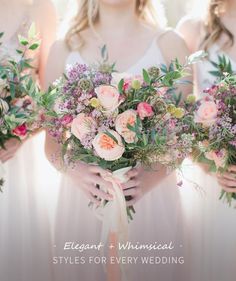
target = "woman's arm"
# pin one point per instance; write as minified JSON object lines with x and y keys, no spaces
{"x":44,"y":15}
{"x":54,"y":69}
{"x":173,"y":46}
{"x":191,"y":32}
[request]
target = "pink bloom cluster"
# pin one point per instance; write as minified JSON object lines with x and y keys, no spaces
{"x":215,"y":113}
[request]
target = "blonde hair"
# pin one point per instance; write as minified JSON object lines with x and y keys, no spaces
{"x":88,"y":15}
{"x":214,"y":25}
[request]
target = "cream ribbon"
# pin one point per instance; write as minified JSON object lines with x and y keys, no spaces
{"x":113,"y":214}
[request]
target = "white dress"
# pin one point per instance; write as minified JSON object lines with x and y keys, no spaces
{"x":25,"y":236}
{"x":158,"y":218}
{"x":212,"y":222}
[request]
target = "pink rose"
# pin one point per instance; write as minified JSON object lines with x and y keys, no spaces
{"x":219,"y":157}
{"x":20,"y":131}
{"x":66,"y":120}
{"x":127,"y":84}
{"x":107,"y":148}
{"x":124,"y":119}
{"x":144,"y":109}
{"x":206,"y":113}
{"x":82,"y":125}
{"x":108,"y":97}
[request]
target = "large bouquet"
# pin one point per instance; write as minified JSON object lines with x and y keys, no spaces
{"x":118,"y":121}
{"x":17,"y":90}
{"x":215,"y":115}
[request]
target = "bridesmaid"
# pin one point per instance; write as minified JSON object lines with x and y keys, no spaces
{"x":214,"y":31}
{"x":135,"y":40}
{"x":24,"y":233}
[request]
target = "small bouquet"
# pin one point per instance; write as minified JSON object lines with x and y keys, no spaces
{"x":215,"y":115}
{"x":117,"y":120}
{"x":17,"y":89}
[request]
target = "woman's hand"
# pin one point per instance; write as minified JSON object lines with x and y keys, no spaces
{"x":132,"y":188}
{"x":88,"y":178}
{"x":11,"y":147}
{"x":141,"y":182}
{"x":227,"y":180}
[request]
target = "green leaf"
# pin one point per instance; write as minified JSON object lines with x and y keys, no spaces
{"x":120,"y":86}
{"x":196,"y":57}
{"x":23,"y":41}
{"x":104,"y":53}
{"x":34,"y":46}
{"x":146,"y":77}
{"x":19,"y":52}
{"x":1,"y":34}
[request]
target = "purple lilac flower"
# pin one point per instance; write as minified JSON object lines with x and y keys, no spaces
{"x":101,"y":78}
{"x":75,"y":72}
{"x":87,"y":142}
{"x":80,"y":107}
{"x":96,"y":113}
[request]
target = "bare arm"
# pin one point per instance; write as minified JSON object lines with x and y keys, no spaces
{"x":44,"y":15}
{"x":191,"y":30}
{"x":173,"y":46}
{"x":54,"y":69}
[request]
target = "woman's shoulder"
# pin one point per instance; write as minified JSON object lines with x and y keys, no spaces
{"x":172,"y":45}
{"x":56,"y":60}
{"x":42,"y":9}
{"x":43,"y":14}
{"x":190,"y":24}
{"x":191,"y":29}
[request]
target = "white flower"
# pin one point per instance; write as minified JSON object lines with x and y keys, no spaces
{"x":3,"y":106}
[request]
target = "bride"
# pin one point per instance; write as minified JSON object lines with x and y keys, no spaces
{"x":24,"y":230}
{"x":213,"y":230}
{"x":135,"y":40}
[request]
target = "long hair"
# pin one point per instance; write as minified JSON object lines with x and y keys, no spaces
{"x":214,"y":25}
{"x":88,"y":14}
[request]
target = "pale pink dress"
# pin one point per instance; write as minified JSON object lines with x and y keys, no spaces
{"x":158,"y":217}
{"x":211,"y":222}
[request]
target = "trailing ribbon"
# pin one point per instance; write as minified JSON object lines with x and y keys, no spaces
{"x":113,"y":215}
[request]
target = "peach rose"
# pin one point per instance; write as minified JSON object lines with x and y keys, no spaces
{"x":108,"y":97}
{"x":144,"y":109}
{"x":107,"y":148}
{"x":219,"y":157}
{"x":124,"y":119}
{"x":206,"y":113}
{"x":82,"y":125}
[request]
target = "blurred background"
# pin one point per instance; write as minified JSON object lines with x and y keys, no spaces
{"x":174,"y":9}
